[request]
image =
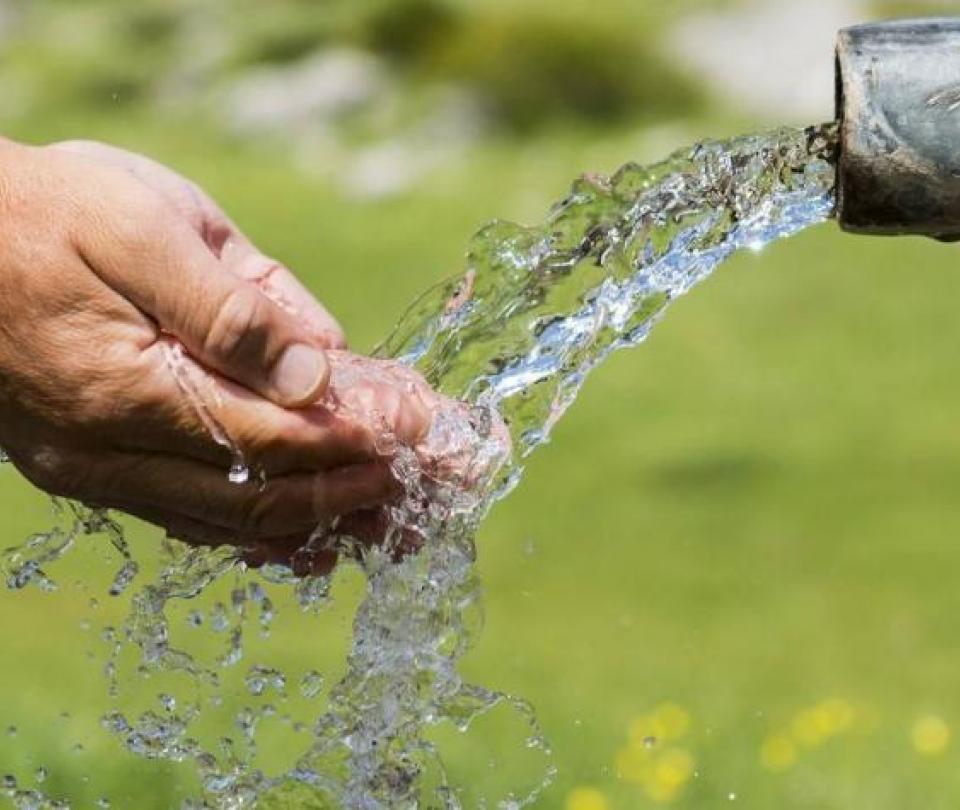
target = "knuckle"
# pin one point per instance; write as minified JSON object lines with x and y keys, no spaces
{"x":255,"y":513}
{"x":359,"y":438}
{"x":51,"y":470}
{"x":238,"y":331}
{"x":279,"y":449}
{"x":142,"y":227}
{"x":94,"y":410}
{"x":112,"y":398}
{"x":333,"y":338}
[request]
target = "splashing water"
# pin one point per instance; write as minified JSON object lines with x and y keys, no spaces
{"x":513,"y":340}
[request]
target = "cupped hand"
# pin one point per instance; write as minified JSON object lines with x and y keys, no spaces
{"x":109,"y":264}
{"x":449,"y":467}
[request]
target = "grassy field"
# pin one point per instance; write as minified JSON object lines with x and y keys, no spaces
{"x":730,"y":580}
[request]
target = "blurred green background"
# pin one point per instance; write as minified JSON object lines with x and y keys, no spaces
{"x":743,"y":539}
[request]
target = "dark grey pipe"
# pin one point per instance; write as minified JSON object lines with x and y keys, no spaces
{"x":898,"y":101}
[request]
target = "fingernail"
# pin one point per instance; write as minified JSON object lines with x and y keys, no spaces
{"x":414,"y":419}
{"x":300,"y":374}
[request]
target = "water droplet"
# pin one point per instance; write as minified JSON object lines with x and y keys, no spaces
{"x":115,"y":723}
{"x":40,"y":774}
{"x":124,"y":577}
{"x":11,"y":731}
{"x":219,"y":620}
{"x":239,"y":473}
{"x":731,"y":796}
{"x":260,"y":678}
{"x":311,"y":684}
{"x":649,"y":742}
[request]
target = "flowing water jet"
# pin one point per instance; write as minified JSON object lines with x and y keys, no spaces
{"x":513,"y":339}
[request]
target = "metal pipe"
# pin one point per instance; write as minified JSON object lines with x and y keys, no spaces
{"x":898,"y":102}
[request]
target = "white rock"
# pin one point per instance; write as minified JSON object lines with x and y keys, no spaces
{"x":772,"y":57}
{"x":394,"y":166}
{"x":318,"y":89}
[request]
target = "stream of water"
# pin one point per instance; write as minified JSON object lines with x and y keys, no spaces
{"x":511,"y":341}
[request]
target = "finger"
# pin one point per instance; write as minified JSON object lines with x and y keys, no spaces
{"x":297,"y":553}
{"x":240,"y":256}
{"x":184,"y":529}
{"x":290,"y":550}
{"x":373,"y":527}
{"x":198,"y":492}
{"x":317,"y":554}
{"x":255,"y":552}
{"x":177,"y":398}
{"x":154,"y":259}
{"x":382,"y":393}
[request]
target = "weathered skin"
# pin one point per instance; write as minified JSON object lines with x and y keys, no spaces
{"x":107,"y":260}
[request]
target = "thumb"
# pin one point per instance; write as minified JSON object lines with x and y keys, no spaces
{"x":164,"y":268}
{"x":241,"y":333}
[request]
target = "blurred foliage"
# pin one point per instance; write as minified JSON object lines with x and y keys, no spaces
{"x":408,"y":31}
{"x":534,"y":69}
{"x":529,"y":68}
{"x":913,"y":8}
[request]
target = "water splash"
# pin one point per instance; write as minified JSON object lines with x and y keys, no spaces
{"x":202,"y":395}
{"x":513,"y":340}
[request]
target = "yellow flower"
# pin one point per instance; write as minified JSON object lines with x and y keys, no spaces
{"x":670,"y":721}
{"x":673,"y":768}
{"x":662,"y":773}
{"x":807,"y":729}
{"x":815,"y":725}
{"x":661,"y":794}
{"x":837,"y":714}
{"x":633,"y":764}
{"x":930,"y":735}
{"x":665,"y":774}
{"x":778,"y":753}
{"x":584,"y":798}
{"x":665,"y":723}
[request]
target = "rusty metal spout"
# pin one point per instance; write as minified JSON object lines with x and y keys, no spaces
{"x":898,"y":102}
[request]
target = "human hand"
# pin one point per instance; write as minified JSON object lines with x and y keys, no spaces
{"x":443,"y":475}
{"x":224,"y":239}
{"x":109,"y":262}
